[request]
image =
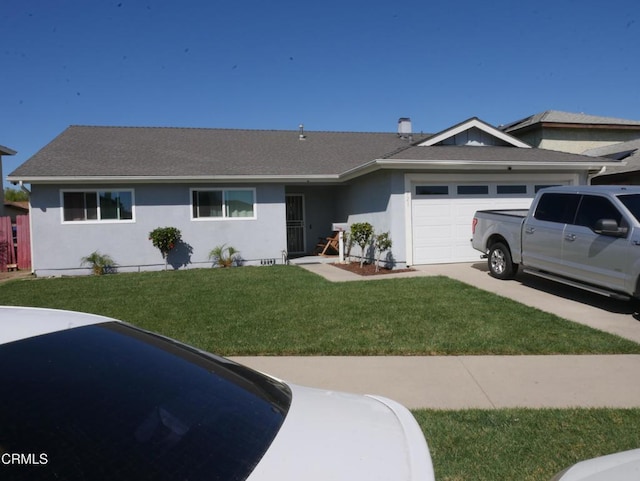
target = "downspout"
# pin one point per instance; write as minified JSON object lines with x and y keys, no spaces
{"x":602,"y":170}
{"x":23,"y":188}
{"x":28,"y":192}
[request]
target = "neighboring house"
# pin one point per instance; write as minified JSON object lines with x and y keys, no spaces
{"x":3,"y":151}
{"x":629,"y":154}
{"x":14,"y":208}
{"x":591,"y":135}
{"x":272,"y":194}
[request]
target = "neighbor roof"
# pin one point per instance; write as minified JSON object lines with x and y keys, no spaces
{"x":112,"y":154}
{"x":627,"y":151}
{"x":6,"y":151}
{"x":558,"y":118}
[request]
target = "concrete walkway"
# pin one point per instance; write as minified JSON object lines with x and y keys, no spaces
{"x":458,"y":382}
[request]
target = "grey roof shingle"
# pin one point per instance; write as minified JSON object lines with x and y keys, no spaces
{"x":6,"y":151}
{"x":85,"y":152}
{"x":143,"y":151}
{"x":628,"y":151}
{"x":560,"y":117}
{"x":466,"y":153}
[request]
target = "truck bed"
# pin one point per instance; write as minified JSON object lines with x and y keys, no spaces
{"x":521,"y":213}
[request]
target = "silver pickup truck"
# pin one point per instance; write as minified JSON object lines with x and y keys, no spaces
{"x":584,"y":236}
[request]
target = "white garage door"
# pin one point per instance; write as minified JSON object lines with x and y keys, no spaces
{"x":441,"y":216}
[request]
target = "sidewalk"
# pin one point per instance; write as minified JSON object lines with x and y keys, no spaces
{"x":461,"y":382}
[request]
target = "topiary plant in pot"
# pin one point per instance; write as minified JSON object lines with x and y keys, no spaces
{"x":361,"y":233}
{"x":165,"y":239}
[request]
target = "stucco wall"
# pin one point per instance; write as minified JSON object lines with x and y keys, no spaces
{"x":58,"y":247}
{"x":576,"y":141}
{"x":379,"y":199}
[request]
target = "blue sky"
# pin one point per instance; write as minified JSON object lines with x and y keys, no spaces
{"x":331,"y":65}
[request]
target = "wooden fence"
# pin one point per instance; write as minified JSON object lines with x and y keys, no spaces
{"x":15,"y":243}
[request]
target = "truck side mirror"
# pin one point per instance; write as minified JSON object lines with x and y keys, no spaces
{"x":609,"y":227}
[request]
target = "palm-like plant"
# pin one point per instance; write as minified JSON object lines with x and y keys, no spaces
{"x":99,"y":263}
{"x":224,"y":256}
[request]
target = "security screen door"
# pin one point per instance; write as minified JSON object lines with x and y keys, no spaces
{"x":295,"y":223}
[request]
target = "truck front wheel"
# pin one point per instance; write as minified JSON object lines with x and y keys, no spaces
{"x":501,"y":265}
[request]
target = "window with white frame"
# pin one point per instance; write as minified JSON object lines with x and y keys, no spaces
{"x":223,"y":203}
{"x":97,"y":205}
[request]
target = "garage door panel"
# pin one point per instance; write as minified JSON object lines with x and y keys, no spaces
{"x":441,"y":227}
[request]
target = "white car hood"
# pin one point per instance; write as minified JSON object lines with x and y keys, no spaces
{"x":331,"y":436}
{"x":623,"y":466}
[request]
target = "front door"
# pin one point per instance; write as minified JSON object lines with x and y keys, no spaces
{"x":295,"y":223}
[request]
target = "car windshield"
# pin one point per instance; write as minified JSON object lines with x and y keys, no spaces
{"x":632,"y":202}
{"x":111,"y":402}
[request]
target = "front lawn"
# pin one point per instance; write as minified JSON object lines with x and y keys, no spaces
{"x":523,"y":444}
{"x":285,"y":310}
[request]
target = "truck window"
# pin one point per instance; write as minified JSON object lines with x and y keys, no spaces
{"x":632,"y":202}
{"x":553,"y":207}
{"x":593,"y":207}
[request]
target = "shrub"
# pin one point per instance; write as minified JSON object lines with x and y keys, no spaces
{"x":100,"y":263}
{"x":224,"y":256}
{"x":381,"y":242}
{"x":165,"y":239}
{"x":361,"y":233}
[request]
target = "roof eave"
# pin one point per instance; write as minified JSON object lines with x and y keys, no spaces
{"x":147,"y":179}
{"x":492,"y":164}
{"x":7,"y":151}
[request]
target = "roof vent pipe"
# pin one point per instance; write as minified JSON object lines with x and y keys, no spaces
{"x":301,"y":135}
{"x":404,"y":128}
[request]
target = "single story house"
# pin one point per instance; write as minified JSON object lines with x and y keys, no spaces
{"x":272,"y":194}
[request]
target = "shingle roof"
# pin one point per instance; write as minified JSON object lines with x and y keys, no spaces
{"x":141,"y":151}
{"x":628,"y":151}
{"x":559,"y":117}
{"x":466,"y":153}
{"x":85,"y":153}
{"x":6,"y":151}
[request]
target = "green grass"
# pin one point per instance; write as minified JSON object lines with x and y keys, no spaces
{"x":523,"y":444}
{"x":285,"y":310}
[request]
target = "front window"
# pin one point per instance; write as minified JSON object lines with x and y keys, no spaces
{"x":97,"y":205}
{"x":223,"y":203}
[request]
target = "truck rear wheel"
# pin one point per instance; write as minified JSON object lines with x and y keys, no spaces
{"x":501,"y":265}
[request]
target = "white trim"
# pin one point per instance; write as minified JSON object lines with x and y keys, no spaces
{"x":479,"y":124}
{"x":98,"y":220}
